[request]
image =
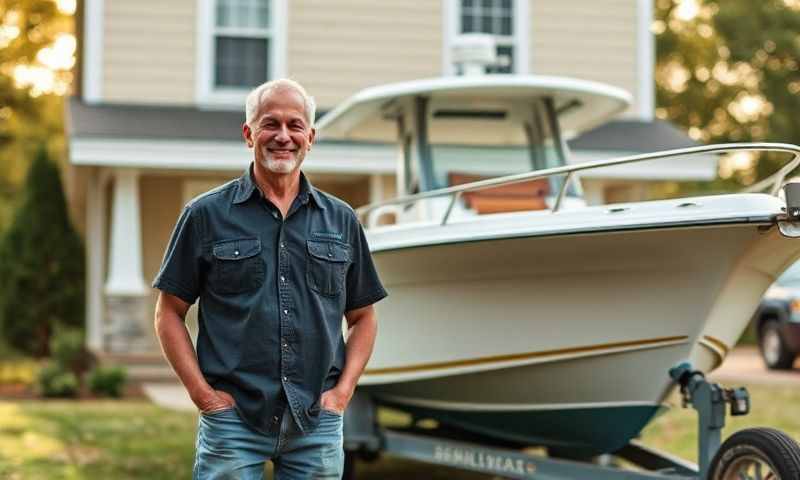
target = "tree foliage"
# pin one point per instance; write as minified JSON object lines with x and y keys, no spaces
{"x":29,"y":114}
{"x":41,"y":264}
{"x":727,"y":71}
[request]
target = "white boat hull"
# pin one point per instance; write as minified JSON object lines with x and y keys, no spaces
{"x":563,"y":322}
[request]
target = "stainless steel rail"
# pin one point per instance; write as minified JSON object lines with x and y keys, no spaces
{"x":775,"y":180}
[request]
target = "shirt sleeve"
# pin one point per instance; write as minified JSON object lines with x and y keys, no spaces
{"x":363,"y":285}
{"x":179,"y":274}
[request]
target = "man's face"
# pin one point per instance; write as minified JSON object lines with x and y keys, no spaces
{"x":279,"y":133}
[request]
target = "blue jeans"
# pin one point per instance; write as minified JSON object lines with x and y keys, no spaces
{"x":228,"y":449}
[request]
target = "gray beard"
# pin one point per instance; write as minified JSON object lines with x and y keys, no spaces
{"x":279,"y":166}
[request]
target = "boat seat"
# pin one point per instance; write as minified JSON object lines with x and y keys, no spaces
{"x":518,"y":197}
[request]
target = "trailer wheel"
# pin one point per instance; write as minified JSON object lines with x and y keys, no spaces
{"x":757,"y":454}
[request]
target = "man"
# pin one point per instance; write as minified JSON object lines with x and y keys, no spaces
{"x":275,"y":264}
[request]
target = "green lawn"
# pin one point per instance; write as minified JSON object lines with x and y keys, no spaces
{"x":136,"y":440}
{"x":771,"y":406}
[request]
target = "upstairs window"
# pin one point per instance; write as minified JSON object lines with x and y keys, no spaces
{"x":242,"y":38}
{"x":495,"y":17}
{"x":504,"y":20}
{"x":241,"y":45}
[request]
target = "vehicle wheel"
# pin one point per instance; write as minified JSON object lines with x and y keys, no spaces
{"x":774,"y":351}
{"x":757,"y":454}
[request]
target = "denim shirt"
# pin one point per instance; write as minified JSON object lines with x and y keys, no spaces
{"x":272,"y":294}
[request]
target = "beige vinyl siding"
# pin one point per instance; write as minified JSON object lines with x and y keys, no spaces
{"x":586,"y":39}
{"x":149,"y":51}
{"x":161,"y":204}
{"x":338,"y":48}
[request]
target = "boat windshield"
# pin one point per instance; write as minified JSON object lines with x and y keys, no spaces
{"x":456,"y":142}
{"x":457,"y":164}
{"x":500,"y":143}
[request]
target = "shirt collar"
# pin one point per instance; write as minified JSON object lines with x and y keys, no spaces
{"x":247,"y":186}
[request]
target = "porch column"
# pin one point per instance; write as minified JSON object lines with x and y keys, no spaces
{"x":376,"y":188}
{"x":125,"y":289}
{"x":95,"y":255}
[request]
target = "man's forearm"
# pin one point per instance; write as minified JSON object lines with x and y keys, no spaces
{"x":177,"y":347}
{"x":360,"y":341}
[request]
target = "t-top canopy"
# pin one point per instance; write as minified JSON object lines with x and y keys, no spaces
{"x":580,"y":104}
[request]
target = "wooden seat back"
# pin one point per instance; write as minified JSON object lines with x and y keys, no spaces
{"x":529,"y":195}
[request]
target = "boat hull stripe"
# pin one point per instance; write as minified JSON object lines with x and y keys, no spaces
{"x":523,"y":356}
{"x":719,"y":344}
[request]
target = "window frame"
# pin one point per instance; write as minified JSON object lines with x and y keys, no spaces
{"x":519,"y":40}
{"x":206,"y":93}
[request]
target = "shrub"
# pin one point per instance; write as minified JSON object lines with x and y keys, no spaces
{"x":41,"y":264}
{"x":16,"y":372}
{"x":68,"y":350}
{"x":108,"y":381}
{"x":54,"y":381}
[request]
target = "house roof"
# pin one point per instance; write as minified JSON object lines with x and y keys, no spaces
{"x":158,"y":122}
{"x":152,"y":122}
{"x":633,"y":136}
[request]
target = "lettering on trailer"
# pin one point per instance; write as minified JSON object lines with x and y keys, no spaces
{"x":498,"y":463}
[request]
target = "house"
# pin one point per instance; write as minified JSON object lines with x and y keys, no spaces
{"x":157,"y":115}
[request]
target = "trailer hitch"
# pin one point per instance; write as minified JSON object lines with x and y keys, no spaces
{"x":709,"y":399}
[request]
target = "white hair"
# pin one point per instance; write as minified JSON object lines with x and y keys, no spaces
{"x":257,"y":94}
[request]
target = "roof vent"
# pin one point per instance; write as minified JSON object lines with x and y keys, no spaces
{"x":473,"y":52}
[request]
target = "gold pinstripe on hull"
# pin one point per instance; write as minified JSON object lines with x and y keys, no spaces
{"x":523,"y":356}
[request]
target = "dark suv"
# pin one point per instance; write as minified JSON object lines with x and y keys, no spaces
{"x":777,"y":320}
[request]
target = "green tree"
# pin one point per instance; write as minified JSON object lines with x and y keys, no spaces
{"x":31,"y":87}
{"x":42,"y":261}
{"x":727,"y":71}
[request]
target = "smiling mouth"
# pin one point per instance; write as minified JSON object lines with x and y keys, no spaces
{"x":280,"y":151}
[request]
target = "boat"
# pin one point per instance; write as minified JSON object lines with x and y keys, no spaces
{"x":520,"y":313}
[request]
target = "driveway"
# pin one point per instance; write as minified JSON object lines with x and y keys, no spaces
{"x":744,"y":364}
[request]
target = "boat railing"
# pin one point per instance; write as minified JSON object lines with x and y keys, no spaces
{"x":774,"y":182}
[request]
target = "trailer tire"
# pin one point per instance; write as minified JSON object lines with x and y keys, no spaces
{"x":747,"y":453}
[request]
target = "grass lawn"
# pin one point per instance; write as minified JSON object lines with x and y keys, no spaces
{"x":136,"y":440}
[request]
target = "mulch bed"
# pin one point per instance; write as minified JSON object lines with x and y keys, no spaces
{"x":20,"y":391}
{"x":16,"y":391}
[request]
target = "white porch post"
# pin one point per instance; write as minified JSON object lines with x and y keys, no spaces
{"x":95,"y":248}
{"x":125,"y":289}
{"x":376,"y":188}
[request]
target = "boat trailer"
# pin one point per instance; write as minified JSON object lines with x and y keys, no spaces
{"x":751,"y":454}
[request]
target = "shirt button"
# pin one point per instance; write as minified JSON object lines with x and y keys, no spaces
{"x":330,"y":254}
{"x":236,"y":253}
{"x":285,"y":345}
{"x":285,"y":379}
{"x":283,"y":279}
{"x":286,"y":312}
{"x":275,"y":418}
{"x":282,"y":245}
{"x":275,"y":214}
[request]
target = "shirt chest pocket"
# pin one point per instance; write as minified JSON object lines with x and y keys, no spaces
{"x":238,"y":266}
{"x":327,"y":266}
